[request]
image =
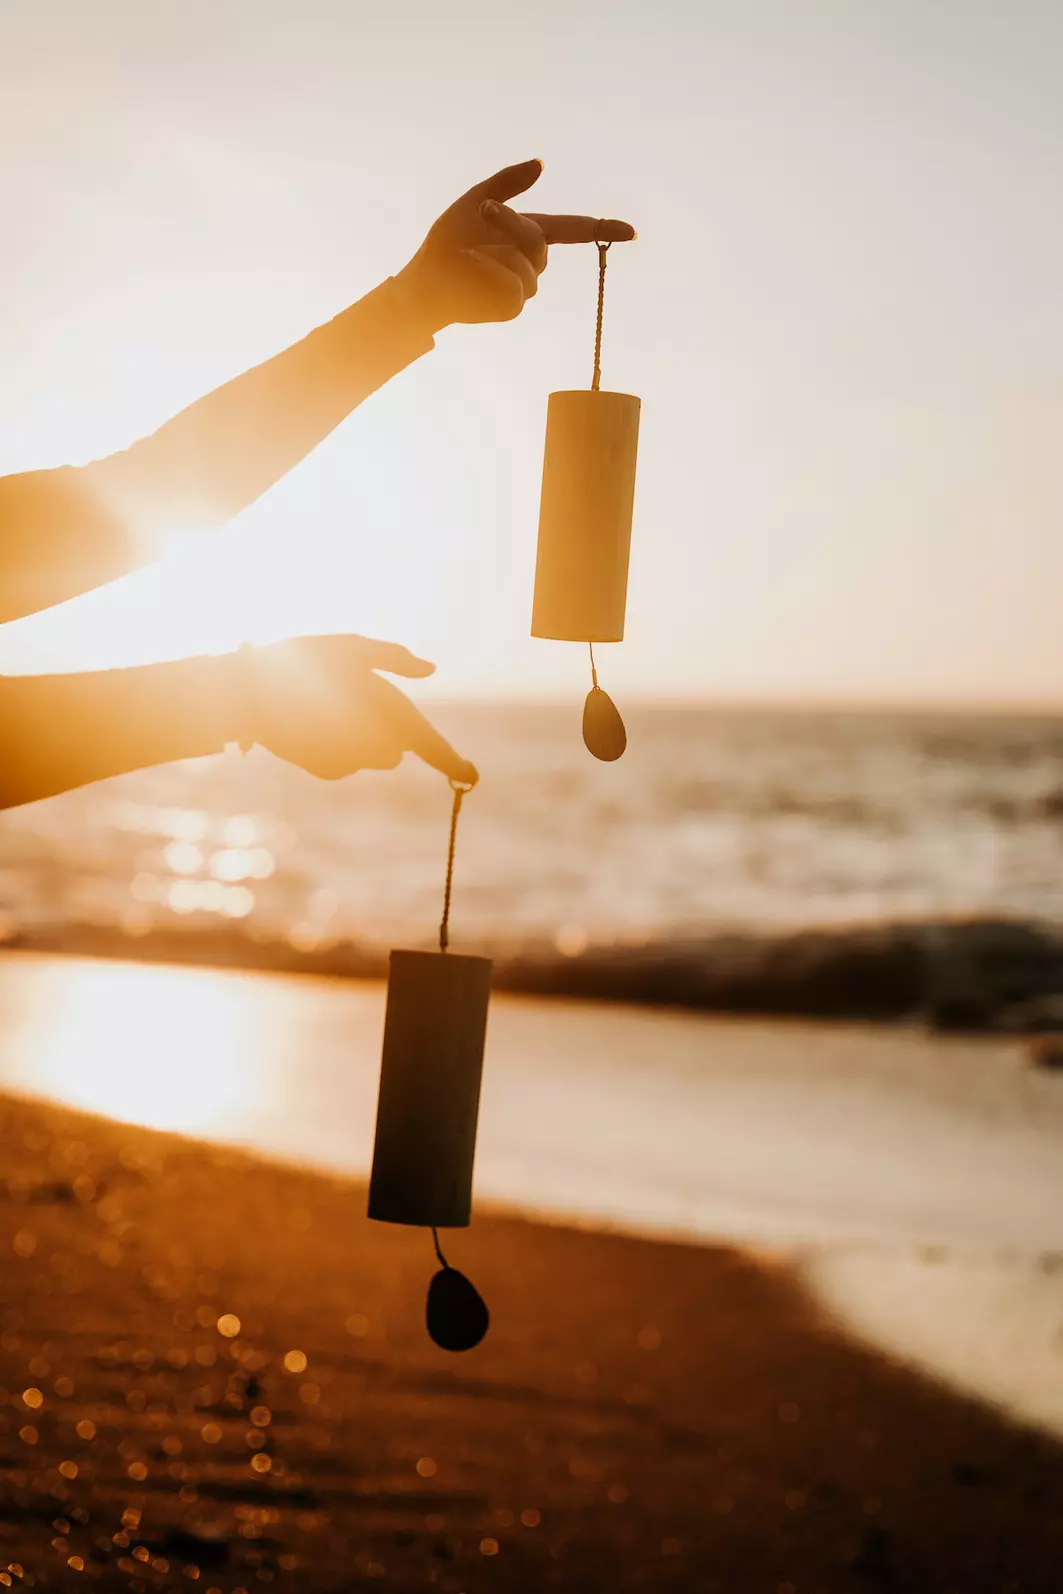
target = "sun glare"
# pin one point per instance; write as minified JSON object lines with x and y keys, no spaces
{"x":203,"y":595}
{"x":153,"y":1046}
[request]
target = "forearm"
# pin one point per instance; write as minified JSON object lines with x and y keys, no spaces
{"x":66,"y":531}
{"x":61,"y":731}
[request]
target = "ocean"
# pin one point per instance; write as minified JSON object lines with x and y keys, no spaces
{"x":664,"y":877}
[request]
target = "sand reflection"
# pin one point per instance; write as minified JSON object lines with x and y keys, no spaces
{"x":168,"y":1048}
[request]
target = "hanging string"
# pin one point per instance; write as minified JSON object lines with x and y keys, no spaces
{"x":459,"y":791}
{"x":596,"y":380}
{"x":439,"y":1250}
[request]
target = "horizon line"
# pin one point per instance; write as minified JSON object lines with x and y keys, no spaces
{"x":768,"y":703}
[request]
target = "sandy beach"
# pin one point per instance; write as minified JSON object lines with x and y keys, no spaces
{"x":216,"y":1375}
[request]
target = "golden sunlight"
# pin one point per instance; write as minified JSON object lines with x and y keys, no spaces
{"x":155,"y":1046}
{"x":197,"y":598}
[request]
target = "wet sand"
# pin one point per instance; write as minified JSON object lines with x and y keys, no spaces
{"x":642,"y":1415}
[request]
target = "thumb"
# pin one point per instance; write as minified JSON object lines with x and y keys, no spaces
{"x":507,"y":183}
{"x":395,"y":659}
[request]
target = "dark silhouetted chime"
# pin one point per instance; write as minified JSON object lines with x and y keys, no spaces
{"x":434,"y":1033}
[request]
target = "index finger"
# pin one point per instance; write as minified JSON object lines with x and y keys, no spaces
{"x":424,"y":740}
{"x":584,"y":230}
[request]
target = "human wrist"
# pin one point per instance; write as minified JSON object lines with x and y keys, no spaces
{"x":236,"y":687}
{"x":417,"y":294}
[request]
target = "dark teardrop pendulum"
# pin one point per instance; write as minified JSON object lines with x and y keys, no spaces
{"x":456,"y":1314}
{"x":603,"y":729}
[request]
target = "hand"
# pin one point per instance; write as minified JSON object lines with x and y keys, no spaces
{"x":318,"y":703}
{"x":482,"y":261}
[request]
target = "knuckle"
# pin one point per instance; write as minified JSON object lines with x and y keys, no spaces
{"x":329,"y":766}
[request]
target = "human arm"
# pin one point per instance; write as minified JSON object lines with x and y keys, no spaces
{"x":315,"y":701}
{"x":65,"y":531}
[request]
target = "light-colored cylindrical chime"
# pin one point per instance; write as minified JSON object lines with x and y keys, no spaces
{"x":585,"y":515}
{"x":435,"y":1027}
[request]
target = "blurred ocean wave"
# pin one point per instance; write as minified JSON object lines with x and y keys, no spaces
{"x":777,"y":861}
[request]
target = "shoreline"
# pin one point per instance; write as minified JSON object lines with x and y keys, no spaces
{"x":971,"y":976}
{"x":673,"y":1123}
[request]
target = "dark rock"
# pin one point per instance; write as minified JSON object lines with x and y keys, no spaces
{"x":456,"y":1315}
{"x":1046,"y":1051}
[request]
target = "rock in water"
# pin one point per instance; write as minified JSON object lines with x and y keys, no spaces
{"x":1046,"y":1051}
{"x":603,"y":729}
{"x":457,"y":1314}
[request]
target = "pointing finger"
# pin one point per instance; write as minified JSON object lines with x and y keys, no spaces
{"x":583,"y":230}
{"x":422,"y":738}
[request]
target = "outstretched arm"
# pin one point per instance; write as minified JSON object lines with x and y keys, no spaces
{"x":316,"y":701}
{"x":65,"y":531}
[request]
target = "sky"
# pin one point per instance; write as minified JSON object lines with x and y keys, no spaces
{"x":843,"y":315}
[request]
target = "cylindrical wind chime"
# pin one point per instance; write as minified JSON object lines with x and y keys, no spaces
{"x":585,"y":516}
{"x":435,"y":1025}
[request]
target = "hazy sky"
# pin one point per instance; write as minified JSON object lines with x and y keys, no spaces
{"x":844,"y":316}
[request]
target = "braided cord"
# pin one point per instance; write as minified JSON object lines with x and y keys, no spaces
{"x":596,"y":380}
{"x":444,"y":925}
